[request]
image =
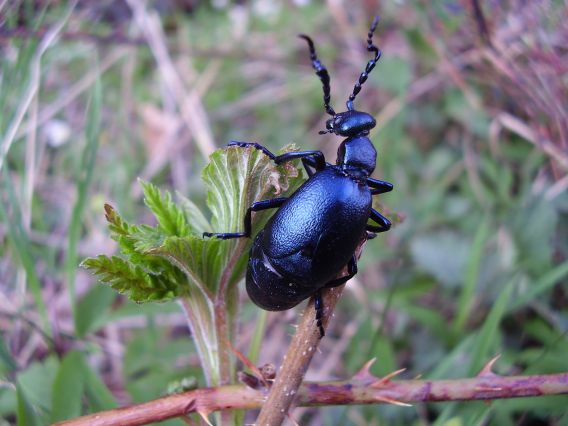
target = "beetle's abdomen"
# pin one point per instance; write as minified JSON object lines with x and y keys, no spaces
{"x":315,"y":233}
{"x":266,"y":287}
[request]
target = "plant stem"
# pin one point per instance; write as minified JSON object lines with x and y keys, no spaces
{"x":361,"y":389}
{"x":299,"y":355}
{"x":202,"y":349}
{"x":296,"y":361}
{"x":224,"y":355}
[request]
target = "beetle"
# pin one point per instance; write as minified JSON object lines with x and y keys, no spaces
{"x":315,"y":232}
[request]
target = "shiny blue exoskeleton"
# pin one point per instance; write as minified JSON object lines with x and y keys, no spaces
{"x":314,"y":233}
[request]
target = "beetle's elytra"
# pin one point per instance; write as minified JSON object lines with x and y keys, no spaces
{"x":314,"y":233}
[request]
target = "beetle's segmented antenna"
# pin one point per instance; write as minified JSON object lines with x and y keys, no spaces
{"x":322,"y":73}
{"x":370,"y":65}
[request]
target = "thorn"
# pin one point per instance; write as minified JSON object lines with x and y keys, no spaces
{"x":486,"y":370}
{"x":364,"y":372}
{"x":384,"y":380}
{"x":248,"y":363}
{"x":392,"y":401}
{"x":204,"y":415}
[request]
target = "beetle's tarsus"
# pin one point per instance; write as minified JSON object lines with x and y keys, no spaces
{"x":224,"y":235}
{"x":318,"y":305}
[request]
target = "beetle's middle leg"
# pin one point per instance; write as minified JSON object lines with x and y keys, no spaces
{"x":255,"y":207}
{"x":384,"y":223}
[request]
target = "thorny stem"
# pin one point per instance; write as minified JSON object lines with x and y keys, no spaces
{"x":296,"y":361}
{"x":298,"y":357}
{"x":361,"y":389}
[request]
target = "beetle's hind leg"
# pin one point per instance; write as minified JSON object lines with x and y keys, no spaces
{"x":384,"y":223}
{"x":255,"y":207}
{"x":318,"y":301}
{"x":318,"y":304}
{"x":351,"y":272}
{"x":313,"y":158}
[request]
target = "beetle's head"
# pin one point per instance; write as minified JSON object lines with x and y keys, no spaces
{"x":357,"y":154}
{"x":350,"y":123}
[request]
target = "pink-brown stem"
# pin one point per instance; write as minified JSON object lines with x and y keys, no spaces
{"x":296,"y":361}
{"x":369,"y":390}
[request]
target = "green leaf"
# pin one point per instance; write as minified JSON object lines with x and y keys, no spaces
{"x":26,"y":414}
{"x":117,"y":226}
{"x":74,"y":380}
{"x":68,"y":388}
{"x":467,"y":295}
{"x":194,"y":215}
{"x":7,"y":362}
{"x":135,"y":240}
{"x":443,"y":254}
{"x":92,"y":309}
{"x":171,"y":218}
{"x":236,"y":177}
{"x":99,"y":396}
{"x":489,"y":333}
{"x":196,"y":257}
{"x":543,"y":284}
{"x":148,"y":361}
{"x":35,"y":383}
{"x":131,"y":279}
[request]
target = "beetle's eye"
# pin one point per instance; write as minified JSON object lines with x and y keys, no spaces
{"x":329,"y":124}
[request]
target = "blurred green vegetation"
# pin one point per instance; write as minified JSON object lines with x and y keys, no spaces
{"x":470,"y":132}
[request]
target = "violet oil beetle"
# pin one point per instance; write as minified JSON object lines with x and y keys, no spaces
{"x":314,"y":233}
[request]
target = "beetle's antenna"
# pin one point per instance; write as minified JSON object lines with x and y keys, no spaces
{"x":322,"y":73}
{"x":370,"y":65}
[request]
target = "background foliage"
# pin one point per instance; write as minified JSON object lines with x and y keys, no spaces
{"x":472,"y":131}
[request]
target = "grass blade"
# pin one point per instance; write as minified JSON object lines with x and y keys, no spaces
{"x":467,"y":295}
{"x":88,"y":164}
{"x":23,"y":248}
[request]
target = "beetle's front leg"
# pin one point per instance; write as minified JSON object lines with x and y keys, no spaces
{"x":313,"y":158}
{"x":255,"y":207}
